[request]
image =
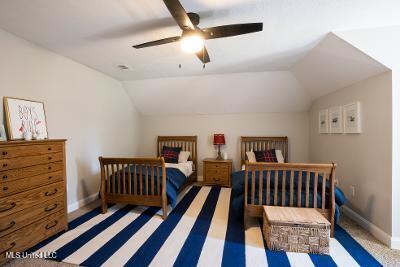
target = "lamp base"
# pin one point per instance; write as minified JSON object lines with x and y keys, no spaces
{"x":219,"y":157}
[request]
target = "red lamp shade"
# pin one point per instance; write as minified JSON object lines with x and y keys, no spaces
{"x":219,"y":139}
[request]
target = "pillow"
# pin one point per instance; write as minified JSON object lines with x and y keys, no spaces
{"x":170,"y":154}
{"x":266,"y":156}
{"x":279,"y":156}
{"x":251,"y":157}
{"x":183,"y":156}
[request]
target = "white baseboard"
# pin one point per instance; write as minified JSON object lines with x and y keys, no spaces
{"x":395,"y":244}
{"x":372,"y":228}
{"x":80,"y":203}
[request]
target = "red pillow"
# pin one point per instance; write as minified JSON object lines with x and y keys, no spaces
{"x":266,"y":156}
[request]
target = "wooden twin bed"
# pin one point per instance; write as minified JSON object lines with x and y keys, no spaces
{"x":260,"y":176}
{"x":263,"y":185}
{"x":151,"y":189}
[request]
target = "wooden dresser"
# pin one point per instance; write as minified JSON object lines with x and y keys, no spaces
{"x":32,"y":193}
{"x":217,"y":172}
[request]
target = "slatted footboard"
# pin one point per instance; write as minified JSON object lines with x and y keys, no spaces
{"x":292,"y":185}
{"x":137,"y":181}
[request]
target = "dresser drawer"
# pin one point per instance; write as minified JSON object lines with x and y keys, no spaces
{"x":13,"y":163}
{"x":217,"y":179}
{"x":15,"y":174}
{"x":30,"y":235}
{"x":11,"y":187}
{"x":31,"y":150}
{"x":27,"y":199}
{"x":217,"y":166}
{"x":217,"y":172}
{"x":20,"y":219}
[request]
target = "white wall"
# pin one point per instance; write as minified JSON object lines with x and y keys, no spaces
{"x":293,"y":125}
{"x":364,"y":160}
{"x":382,"y":44}
{"x":84,"y":106}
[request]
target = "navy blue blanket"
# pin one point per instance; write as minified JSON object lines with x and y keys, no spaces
{"x":238,"y":191}
{"x":175,"y":180}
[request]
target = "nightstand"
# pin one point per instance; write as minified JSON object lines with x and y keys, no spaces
{"x":217,"y":172}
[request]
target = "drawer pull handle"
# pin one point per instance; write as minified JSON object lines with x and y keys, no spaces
{"x":48,"y":226}
{"x":49,"y":149}
{"x":10,"y":248}
{"x":49,"y":168}
{"x":5,"y":165}
{"x":50,"y":158}
{"x":50,"y":177}
{"x":12,"y":223}
{"x":5,"y":153}
{"x":5,"y":188}
{"x":216,"y":179}
{"x":47,"y":209}
{"x":9,"y":208}
{"x":5,"y":176}
{"x":47,"y":194}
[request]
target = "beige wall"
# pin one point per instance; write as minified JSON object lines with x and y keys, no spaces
{"x":293,"y":125}
{"x":84,"y":106}
{"x":364,"y":160}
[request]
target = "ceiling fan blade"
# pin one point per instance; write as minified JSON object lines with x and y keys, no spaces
{"x":158,"y":42}
{"x":203,"y":55}
{"x":179,"y":14}
{"x":231,"y":30}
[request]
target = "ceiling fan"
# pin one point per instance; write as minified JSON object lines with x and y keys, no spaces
{"x":192,"y":38}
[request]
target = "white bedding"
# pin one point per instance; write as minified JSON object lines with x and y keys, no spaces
{"x":186,"y":168}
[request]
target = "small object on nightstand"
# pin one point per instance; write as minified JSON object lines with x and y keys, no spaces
{"x":217,"y":172}
{"x":219,"y":140}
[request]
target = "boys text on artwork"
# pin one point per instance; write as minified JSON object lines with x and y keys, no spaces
{"x":29,"y":118}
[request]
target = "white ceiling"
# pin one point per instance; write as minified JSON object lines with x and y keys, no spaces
{"x":331,"y":65}
{"x":334,"y":64}
{"x":100,"y":33}
{"x":256,"y":92}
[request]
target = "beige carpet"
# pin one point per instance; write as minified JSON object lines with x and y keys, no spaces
{"x":385,"y":255}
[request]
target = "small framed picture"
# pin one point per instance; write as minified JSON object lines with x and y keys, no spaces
{"x":323,"y":121}
{"x":3,"y":136}
{"x":335,"y":120}
{"x":352,"y":118}
{"x":24,"y":116}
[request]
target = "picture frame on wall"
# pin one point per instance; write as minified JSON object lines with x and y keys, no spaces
{"x":24,"y":115}
{"x":336,"y":120}
{"x":352,"y":118}
{"x":323,"y":121}
{"x":3,"y":135}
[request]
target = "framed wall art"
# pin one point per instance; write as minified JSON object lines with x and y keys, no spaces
{"x":352,"y":118}
{"x":24,"y":116}
{"x":335,"y":120}
{"x":323,"y":120}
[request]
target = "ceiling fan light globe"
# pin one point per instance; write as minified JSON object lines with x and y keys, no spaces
{"x":192,"y":44}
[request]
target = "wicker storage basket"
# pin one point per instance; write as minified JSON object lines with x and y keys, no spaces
{"x":296,"y":230}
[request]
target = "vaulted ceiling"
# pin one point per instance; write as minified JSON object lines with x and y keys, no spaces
{"x":282,"y":69}
{"x":100,"y":33}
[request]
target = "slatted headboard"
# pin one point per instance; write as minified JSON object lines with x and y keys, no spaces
{"x":188,"y":143}
{"x":256,"y":143}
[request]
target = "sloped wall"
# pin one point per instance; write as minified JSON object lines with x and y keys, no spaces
{"x":88,"y":108}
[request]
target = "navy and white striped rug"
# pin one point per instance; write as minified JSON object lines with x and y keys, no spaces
{"x":201,"y":230}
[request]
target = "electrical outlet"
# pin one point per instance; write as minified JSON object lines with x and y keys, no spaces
{"x":352,"y":191}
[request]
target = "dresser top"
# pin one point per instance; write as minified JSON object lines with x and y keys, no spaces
{"x":38,"y":142}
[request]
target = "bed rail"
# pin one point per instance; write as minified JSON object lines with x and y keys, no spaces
{"x":133,"y":181}
{"x":256,"y":174}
